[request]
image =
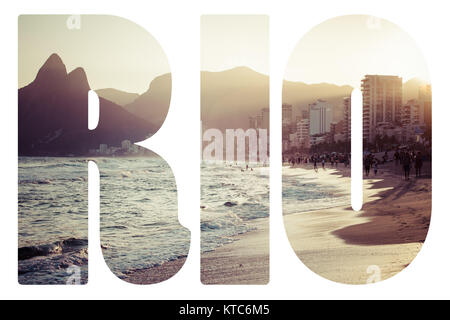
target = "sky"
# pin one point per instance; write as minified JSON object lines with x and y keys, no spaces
{"x":342,"y":50}
{"x":114,"y":52}
{"x":229,"y":41}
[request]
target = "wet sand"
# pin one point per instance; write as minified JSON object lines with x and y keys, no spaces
{"x":244,"y":261}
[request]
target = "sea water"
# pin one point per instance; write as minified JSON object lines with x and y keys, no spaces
{"x":139,"y":216}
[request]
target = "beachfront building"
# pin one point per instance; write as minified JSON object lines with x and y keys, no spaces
{"x":412,"y":114}
{"x":425,"y":104}
{"x":302,"y":133}
{"x":320,"y":116}
{"x":347,"y":122}
{"x":286,"y":114}
{"x":304,"y":114}
{"x":382,"y":103}
{"x":413,"y":121}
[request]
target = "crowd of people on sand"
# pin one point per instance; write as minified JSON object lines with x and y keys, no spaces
{"x":333,"y":158}
{"x":407,"y":158}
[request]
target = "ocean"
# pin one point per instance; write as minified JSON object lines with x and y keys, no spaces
{"x":232,"y":196}
{"x":139,"y":217}
{"x":305,"y":190}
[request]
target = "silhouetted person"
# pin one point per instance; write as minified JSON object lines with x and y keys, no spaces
{"x":396,"y":157}
{"x":367,"y":165}
{"x":385,"y":157}
{"x":419,"y":164}
{"x":406,"y":165}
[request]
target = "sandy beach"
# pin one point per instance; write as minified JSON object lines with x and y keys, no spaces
{"x":336,"y":243}
{"x":348,"y":247}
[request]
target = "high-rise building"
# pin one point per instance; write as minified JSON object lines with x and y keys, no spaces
{"x":425,"y":103}
{"x":347,"y":130}
{"x":411,"y":114}
{"x":303,"y":133}
{"x":305,"y":114}
{"x":382,"y":103}
{"x":320,"y":117}
{"x":287,"y":114}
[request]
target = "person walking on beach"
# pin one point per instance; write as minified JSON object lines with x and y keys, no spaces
{"x":323,"y":163}
{"x":406,"y":165}
{"x":375,"y":167}
{"x":419,"y":164}
{"x":367,"y":165}
{"x":396,"y":157}
{"x":385,"y":157}
{"x":315,"y":164}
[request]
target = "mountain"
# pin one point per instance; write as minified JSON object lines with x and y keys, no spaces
{"x":229,"y":98}
{"x":300,"y":95}
{"x":153,"y":104}
{"x":119,"y":97}
{"x":53,"y":115}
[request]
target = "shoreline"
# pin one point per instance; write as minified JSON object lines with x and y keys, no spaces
{"x":335,"y":243}
{"x":371,"y":245}
{"x":243,"y":261}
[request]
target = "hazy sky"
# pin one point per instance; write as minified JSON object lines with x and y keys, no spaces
{"x":229,"y":41}
{"x":115,"y":52}
{"x":342,"y":50}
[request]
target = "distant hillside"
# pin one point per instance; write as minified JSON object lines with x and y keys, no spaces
{"x":153,"y":104}
{"x":53,"y":115}
{"x":300,"y":95}
{"x":230,"y":97}
{"x":119,"y":97}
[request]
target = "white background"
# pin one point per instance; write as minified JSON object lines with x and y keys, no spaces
{"x":175,"y":24}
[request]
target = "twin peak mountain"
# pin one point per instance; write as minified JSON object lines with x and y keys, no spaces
{"x":53,"y":113}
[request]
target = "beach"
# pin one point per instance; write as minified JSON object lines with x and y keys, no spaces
{"x":336,"y":243}
{"x":374,"y":244}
